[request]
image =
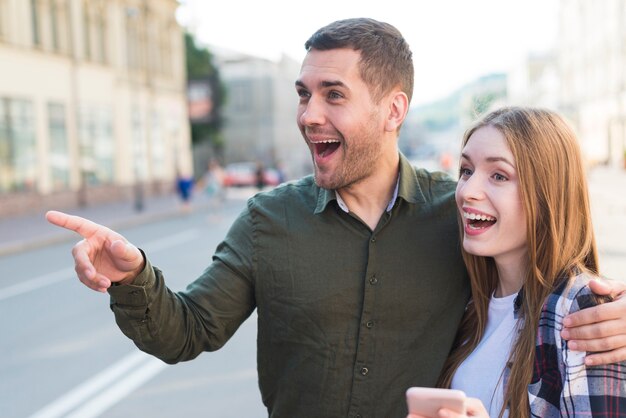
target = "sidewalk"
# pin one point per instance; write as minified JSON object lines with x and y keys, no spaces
{"x":32,"y":231}
{"x":607,"y":186}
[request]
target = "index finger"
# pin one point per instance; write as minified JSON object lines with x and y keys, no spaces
{"x":82,"y":226}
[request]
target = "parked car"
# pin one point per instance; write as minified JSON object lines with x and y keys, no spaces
{"x":243,"y":174}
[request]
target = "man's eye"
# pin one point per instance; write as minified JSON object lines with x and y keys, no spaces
{"x":334,"y":95}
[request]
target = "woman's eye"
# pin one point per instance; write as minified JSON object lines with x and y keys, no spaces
{"x":499,"y":177}
{"x":465,"y":172}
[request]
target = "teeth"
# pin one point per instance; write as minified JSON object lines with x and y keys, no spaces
{"x":475,"y":216}
{"x":326,"y":141}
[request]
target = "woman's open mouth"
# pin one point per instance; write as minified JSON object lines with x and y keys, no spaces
{"x":477,"y":222}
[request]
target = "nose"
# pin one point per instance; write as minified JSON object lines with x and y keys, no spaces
{"x":311,"y":113}
{"x":470,"y":188}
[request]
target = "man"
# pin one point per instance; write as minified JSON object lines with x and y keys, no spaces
{"x":355,"y":273}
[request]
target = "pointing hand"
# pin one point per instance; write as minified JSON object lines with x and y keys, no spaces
{"x":103,"y":256}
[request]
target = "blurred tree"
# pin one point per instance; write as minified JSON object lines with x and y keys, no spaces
{"x":482,"y":102}
{"x":201,"y":67}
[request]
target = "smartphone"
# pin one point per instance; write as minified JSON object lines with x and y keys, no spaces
{"x":427,"y":401}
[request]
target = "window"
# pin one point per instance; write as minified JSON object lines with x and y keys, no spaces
{"x":59,"y":153}
{"x":96,"y":147}
{"x":87,"y":29}
{"x":18,"y":158}
{"x":101,"y":38}
{"x":35,"y":21}
{"x":135,"y":42}
{"x":4,"y":19}
{"x":240,"y":96}
{"x":54,"y":25}
{"x":59,"y":25}
{"x":166,"y":50}
{"x":94,"y":23}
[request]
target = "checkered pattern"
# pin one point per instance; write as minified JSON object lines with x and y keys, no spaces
{"x":562,"y":386}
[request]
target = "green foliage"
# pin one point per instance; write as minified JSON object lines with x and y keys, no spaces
{"x":481,"y":103}
{"x":200,"y":64}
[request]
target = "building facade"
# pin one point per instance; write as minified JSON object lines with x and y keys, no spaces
{"x":92,"y":101}
{"x":260,"y":112}
{"x":591,"y":65}
{"x":583,"y":78}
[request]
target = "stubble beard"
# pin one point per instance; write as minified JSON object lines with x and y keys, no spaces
{"x":358,"y":160}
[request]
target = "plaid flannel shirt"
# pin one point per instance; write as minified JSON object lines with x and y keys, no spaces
{"x":562,"y":386}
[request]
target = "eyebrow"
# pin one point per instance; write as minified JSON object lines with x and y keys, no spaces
{"x":323,"y":84}
{"x":490,"y":159}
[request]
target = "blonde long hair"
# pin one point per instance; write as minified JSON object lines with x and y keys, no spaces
{"x":560,"y":238}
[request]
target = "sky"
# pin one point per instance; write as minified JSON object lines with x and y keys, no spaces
{"x":453,"y":41}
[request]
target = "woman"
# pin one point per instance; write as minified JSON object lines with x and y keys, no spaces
{"x":529,"y":246}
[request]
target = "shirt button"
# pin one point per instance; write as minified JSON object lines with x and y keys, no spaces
{"x":357,"y":416}
{"x":373,"y":280}
{"x":369,"y":324}
{"x":365,"y":371}
{"x":373,"y":240}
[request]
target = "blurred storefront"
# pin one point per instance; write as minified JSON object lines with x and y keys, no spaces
{"x":92,"y":102}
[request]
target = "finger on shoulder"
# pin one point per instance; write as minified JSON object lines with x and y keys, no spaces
{"x":598,"y":313}
{"x":606,"y":358}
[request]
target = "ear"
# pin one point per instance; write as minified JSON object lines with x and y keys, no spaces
{"x":398,"y":108}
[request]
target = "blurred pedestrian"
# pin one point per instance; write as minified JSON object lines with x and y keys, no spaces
{"x":281,"y":172}
{"x":213,"y":181}
{"x":260,"y":175}
{"x":184,"y":187}
{"x":355,"y":271}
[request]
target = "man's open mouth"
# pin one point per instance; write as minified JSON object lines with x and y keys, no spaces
{"x":326,"y":147}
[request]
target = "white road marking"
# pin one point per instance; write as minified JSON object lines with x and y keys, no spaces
{"x":36,"y":283}
{"x":68,"y":273}
{"x":146,"y":367}
{"x":119,"y":390}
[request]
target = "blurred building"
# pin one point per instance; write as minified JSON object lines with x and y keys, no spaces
{"x":260,"y":112}
{"x":534,"y":81}
{"x":92,"y":101}
{"x":592,"y":69}
{"x":584,"y":78}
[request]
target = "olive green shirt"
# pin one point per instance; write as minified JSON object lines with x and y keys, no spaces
{"x":348,"y":318}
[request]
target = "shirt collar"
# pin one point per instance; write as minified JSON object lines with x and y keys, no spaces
{"x":344,"y":207}
{"x":407,"y":188}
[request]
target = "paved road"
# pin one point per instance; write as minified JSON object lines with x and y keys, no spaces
{"x":63,"y":356}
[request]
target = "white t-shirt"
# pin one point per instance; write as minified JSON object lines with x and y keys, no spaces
{"x":481,"y":374}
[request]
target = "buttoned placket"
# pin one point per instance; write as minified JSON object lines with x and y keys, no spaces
{"x":365,"y":345}
{"x":363,"y":371}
